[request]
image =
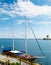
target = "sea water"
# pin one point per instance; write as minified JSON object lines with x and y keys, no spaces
{"x":32,"y":48}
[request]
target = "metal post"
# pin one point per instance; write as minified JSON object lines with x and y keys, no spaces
{"x":20,"y":61}
{"x":13,"y":33}
{"x":25,"y":35}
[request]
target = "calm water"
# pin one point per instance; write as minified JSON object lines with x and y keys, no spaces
{"x":32,"y":48}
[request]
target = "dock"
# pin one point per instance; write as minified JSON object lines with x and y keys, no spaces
{"x":5,"y":58}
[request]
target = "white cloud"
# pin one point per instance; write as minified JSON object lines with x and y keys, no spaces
{"x":32,"y":21}
{"x":29,"y":9}
{"x":4,"y":18}
{"x":20,"y":21}
{"x":4,"y":29}
{"x":49,"y":17}
{"x":46,"y":23}
{"x":26,"y":8}
{"x":49,"y":1}
{"x":7,"y":12}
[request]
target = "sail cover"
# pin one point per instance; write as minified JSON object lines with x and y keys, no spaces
{"x":16,"y":52}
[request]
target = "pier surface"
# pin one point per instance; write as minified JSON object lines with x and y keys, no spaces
{"x":4,"y":58}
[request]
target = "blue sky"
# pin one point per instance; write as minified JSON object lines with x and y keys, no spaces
{"x":38,"y":12}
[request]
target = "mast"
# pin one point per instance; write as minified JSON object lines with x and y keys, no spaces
{"x":25,"y":36}
{"x":13,"y":34}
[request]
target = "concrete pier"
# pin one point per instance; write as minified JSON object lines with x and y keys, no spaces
{"x":5,"y":58}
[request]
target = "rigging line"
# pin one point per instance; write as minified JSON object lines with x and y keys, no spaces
{"x":35,"y":38}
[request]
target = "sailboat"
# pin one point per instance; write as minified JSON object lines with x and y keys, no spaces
{"x":10,"y":50}
{"x":21,"y":54}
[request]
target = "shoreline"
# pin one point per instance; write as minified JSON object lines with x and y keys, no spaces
{"x":28,"y":38}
